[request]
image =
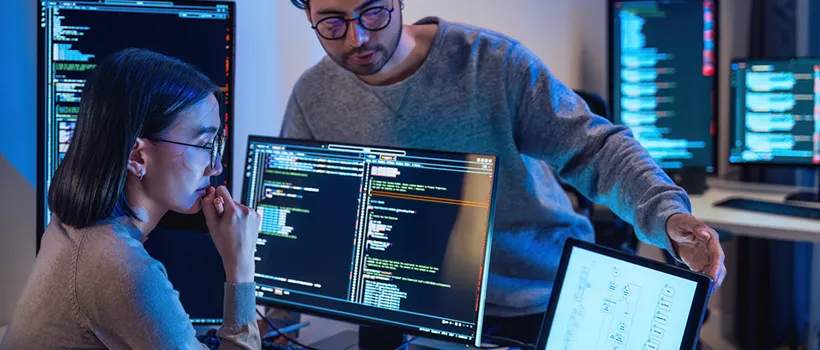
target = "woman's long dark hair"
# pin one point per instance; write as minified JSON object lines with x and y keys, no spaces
{"x":133,"y":93}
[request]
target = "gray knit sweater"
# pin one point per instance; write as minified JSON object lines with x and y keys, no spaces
{"x":480,"y":91}
{"x":98,"y":288}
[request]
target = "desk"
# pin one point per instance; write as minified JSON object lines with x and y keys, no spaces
{"x":750,"y":223}
{"x":338,"y":341}
{"x":761,"y":225}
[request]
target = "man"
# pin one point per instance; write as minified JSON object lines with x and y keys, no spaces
{"x":447,"y":86}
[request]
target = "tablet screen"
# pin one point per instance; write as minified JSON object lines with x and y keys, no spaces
{"x":607,"y":303}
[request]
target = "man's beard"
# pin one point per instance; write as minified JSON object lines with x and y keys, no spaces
{"x":374,"y":67}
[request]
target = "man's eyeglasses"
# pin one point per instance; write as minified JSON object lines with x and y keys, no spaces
{"x":216,"y":147}
{"x":372,"y":19}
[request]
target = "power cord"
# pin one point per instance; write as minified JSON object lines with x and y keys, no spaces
{"x":270,"y":324}
{"x":280,"y":321}
{"x":404,"y":346}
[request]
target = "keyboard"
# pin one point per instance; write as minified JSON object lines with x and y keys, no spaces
{"x":771,"y":208}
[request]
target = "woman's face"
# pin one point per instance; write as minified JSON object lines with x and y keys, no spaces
{"x":177,"y":176}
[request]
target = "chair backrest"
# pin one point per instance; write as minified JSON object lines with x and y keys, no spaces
{"x":595,"y":103}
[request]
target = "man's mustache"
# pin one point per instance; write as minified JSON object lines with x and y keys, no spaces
{"x":361,"y":50}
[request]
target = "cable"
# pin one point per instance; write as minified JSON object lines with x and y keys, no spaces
{"x":281,"y":321}
{"x":404,"y":346}
{"x":270,"y":324}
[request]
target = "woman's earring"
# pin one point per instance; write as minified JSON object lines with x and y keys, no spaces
{"x":142,"y":173}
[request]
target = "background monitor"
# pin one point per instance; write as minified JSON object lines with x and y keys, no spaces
{"x":72,"y":37}
{"x":373,"y":235}
{"x":775,"y":112}
{"x":663,"y":78}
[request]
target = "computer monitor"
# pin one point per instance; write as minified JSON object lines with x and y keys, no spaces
{"x":607,"y":299}
{"x":72,"y":37}
{"x":663,"y":78}
{"x":373,"y":235}
{"x":775,"y":113}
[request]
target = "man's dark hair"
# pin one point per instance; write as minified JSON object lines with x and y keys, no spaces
{"x":301,"y":4}
{"x":132,"y":93}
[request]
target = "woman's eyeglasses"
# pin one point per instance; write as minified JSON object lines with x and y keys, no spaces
{"x":372,"y":19}
{"x":216,"y":147}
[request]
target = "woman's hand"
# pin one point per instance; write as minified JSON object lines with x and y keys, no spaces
{"x":234,"y":229}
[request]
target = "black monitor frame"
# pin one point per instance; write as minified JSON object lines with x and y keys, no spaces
{"x":715,"y":89}
{"x":172,"y":221}
{"x":733,"y":106}
{"x":367,"y":321}
{"x":811,"y":197}
{"x":700,"y":300}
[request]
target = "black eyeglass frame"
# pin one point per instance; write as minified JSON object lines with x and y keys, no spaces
{"x":217,"y":146}
{"x":357,"y":19}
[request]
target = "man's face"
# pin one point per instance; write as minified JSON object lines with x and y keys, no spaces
{"x":361,"y":47}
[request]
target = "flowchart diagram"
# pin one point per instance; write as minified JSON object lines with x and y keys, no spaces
{"x":609,"y":304}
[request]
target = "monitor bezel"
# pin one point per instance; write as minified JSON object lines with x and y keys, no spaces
{"x":41,"y":128}
{"x":715,"y":87}
{"x":733,"y":106}
{"x":368,"y":321}
{"x":696,"y":313}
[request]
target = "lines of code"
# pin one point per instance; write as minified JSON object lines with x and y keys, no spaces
{"x":663,"y":77}
{"x":393,"y":266}
{"x":67,"y":87}
{"x":275,"y":220}
{"x":776,"y":111}
{"x":393,"y":203}
{"x":288,"y":189}
{"x":383,"y":295}
{"x":401,"y":238}
{"x":403,"y":187}
{"x":76,"y":35}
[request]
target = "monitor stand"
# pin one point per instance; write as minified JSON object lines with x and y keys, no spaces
{"x":380,"y":337}
{"x":368,"y":337}
{"x":693,"y":181}
{"x":810,"y":197}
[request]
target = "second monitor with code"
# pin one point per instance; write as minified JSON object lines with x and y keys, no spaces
{"x":378,"y":235}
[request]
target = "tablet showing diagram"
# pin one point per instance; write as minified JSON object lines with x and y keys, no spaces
{"x":604,"y":301}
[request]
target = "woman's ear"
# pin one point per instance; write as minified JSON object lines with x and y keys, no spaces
{"x":136,"y":160}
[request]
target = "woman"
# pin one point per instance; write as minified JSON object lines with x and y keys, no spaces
{"x":148,"y":139}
